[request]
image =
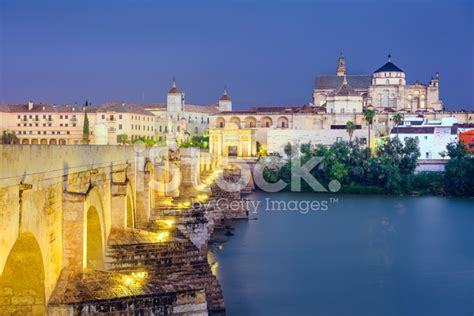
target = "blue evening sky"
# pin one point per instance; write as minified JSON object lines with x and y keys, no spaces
{"x":267,"y":52}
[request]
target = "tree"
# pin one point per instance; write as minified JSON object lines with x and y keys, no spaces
{"x":122,"y":139}
{"x":397,"y":119}
{"x":9,"y":137}
{"x":458,"y":179}
{"x":85,"y":129}
{"x":369,"y":115}
{"x":350,"y":128}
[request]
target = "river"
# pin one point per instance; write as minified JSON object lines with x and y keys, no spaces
{"x":360,"y":255}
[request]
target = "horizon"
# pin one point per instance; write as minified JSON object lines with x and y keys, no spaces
{"x":56,"y":53}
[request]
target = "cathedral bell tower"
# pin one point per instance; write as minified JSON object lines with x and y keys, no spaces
{"x":225,"y":103}
{"x":341,"y":66}
{"x":175,"y":99}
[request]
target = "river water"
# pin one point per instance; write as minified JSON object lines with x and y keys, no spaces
{"x":362,"y":255}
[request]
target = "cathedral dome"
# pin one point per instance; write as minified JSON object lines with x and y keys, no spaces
{"x":389,"y":67}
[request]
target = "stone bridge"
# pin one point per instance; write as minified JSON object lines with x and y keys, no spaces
{"x":83,"y":232}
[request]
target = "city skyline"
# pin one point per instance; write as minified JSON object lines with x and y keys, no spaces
{"x":266,"y":55}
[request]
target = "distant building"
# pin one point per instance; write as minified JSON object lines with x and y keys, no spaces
{"x":466,"y":135}
{"x":433,"y":136}
{"x":63,"y":124}
{"x":386,"y":88}
{"x":176,"y":114}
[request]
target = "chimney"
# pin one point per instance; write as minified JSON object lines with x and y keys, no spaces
{"x":30,"y":105}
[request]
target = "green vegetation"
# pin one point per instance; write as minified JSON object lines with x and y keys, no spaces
{"x":9,"y":137}
{"x":196,"y":141}
{"x":391,"y":170}
{"x":350,"y":128}
{"x":85,"y":130}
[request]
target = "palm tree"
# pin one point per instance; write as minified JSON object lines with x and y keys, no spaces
{"x":350,"y":128}
{"x":369,"y":115}
{"x":397,"y":119}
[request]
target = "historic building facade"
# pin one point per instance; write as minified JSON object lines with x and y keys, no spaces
{"x":178,"y":119}
{"x":63,"y":124}
{"x":385,"y":89}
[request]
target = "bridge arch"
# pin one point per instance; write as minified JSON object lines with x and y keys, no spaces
{"x":22,"y":283}
{"x":94,"y":231}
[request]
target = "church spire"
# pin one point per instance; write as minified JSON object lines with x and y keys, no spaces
{"x":341,"y":66}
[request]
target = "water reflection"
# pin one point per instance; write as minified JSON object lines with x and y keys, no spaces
{"x":374,"y":255}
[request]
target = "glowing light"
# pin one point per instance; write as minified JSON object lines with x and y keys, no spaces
{"x":202,"y":197}
{"x":169,"y":223}
{"x":139,"y":275}
{"x":128,"y":281}
{"x":162,"y":236}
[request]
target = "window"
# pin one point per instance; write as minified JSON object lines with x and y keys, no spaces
{"x":343,"y":110}
{"x":120,"y":126}
{"x":426,"y":137}
{"x":103,"y":116}
{"x":120,"y":116}
{"x":19,"y":116}
{"x":73,"y":124}
{"x":60,"y":117}
{"x":66,"y":117}
{"x":427,"y":155}
{"x":338,"y":139}
{"x":68,"y":132}
{"x":160,"y":128}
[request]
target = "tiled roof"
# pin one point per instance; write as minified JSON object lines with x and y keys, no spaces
{"x":389,"y":67}
{"x":344,"y":90}
{"x":358,"y":82}
{"x":154,"y":106}
{"x":213,"y":108}
{"x":267,"y":109}
{"x":123,"y":108}
{"x":46,"y":108}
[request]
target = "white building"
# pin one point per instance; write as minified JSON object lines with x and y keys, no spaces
{"x":433,"y":136}
{"x":176,"y":117}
